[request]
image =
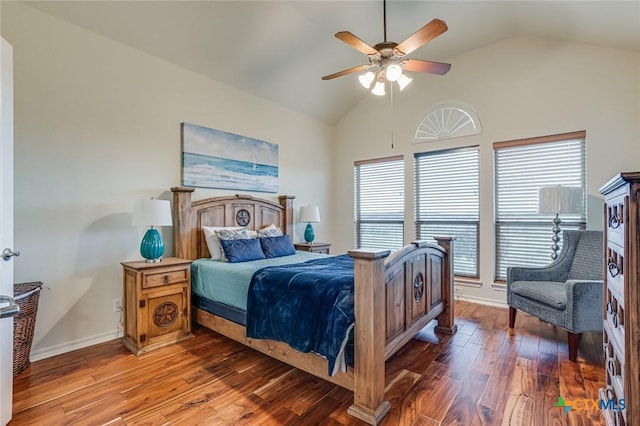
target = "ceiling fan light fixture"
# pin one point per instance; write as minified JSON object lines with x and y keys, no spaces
{"x":404,"y":81}
{"x":388,"y":60}
{"x":366,"y":79}
{"x":393,"y":72}
{"x":378,"y":89}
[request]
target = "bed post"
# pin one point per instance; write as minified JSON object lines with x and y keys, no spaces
{"x":183,"y":236}
{"x":370,"y":334}
{"x":446,"y":322}
{"x":286,"y":201}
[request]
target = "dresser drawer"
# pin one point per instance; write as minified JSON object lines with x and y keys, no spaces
{"x":613,"y":340}
{"x":165,"y":277}
{"x":616,"y":212}
{"x":615,"y":269}
{"x":614,"y":368}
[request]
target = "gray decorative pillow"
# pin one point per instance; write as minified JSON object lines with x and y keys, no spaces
{"x":269,"y":231}
{"x":232,"y":234}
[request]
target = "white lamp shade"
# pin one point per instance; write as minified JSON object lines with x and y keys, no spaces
{"x":150,"y":212}
{"x":366,"y":79}
{"x":559,"y":199}
{"x":404,"y":81}
{"x":378,"y":89}
{"x":309,"y":214}
{"x":393,"y":72}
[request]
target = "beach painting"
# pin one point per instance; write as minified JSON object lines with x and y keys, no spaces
{"x":215,"y":159}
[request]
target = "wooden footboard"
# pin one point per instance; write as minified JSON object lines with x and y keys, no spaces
{"x":396,"y":295}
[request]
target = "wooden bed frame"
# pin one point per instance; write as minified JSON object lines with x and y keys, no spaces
{"x":396,"y":295}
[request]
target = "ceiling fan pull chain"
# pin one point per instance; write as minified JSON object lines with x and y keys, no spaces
{"x":392,"y":114}
{"x":384,"y":18}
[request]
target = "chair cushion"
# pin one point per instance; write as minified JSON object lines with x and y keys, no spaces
{"x":550,"y":293}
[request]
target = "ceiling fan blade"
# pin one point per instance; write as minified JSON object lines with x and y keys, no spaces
{"x":355,"y":42}
{"x":427,"y":66}
{"x":345,"y":72}
{"x":430,"y":31}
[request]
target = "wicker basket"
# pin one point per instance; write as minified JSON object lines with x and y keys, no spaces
{"x":26,"y":296}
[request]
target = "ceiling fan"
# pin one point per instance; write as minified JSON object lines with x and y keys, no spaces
{"x":387,"y":60}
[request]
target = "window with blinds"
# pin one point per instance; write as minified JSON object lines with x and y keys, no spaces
{"x":447,"y":202}
{"x":521,"y":167}
{"x":379,"y":203}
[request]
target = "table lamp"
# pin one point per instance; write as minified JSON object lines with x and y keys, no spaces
{"x":150,"y":212}
{"x":556,"y":200}
{"x":309,"y":214}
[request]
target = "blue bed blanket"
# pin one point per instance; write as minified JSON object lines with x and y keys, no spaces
{"x":307,"y":305}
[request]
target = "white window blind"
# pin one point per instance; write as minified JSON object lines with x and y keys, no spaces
{"x":447,"y":202}
{"x":523,"y":236}
{"x":379,"y":203}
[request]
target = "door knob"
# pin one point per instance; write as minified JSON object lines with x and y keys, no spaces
{"x":11,"y":310}
{"x":8,"y":254}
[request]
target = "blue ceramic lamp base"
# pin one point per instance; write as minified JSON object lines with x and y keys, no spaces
{"x":309,"y":236}
{"x":152,"y":247}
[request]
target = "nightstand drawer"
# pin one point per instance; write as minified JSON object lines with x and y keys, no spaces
{"x":156,"y":279}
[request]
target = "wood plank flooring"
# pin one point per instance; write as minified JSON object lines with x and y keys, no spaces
{"x":482,"y":375}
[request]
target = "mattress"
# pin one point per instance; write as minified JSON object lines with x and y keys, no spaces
{"x":228,"y":283}
{"x":221,"y":288}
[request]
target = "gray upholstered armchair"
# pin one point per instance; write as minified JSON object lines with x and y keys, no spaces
{"x":566,"y":293}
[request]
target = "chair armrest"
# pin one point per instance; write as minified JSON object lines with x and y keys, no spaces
{"x":584,"y":305}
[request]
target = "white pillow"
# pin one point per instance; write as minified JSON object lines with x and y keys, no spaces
{"x":213,"y":240}
{"x":252,"y":233}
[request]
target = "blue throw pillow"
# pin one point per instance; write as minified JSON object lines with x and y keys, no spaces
{"x":242,"y":250}
{"x":277,"y":246}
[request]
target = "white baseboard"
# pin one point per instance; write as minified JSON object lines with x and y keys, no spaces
{"x":62,"y":348}
{"x":482,"y":301}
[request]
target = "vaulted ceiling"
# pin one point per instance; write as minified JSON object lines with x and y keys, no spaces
{"x":279,"y":50}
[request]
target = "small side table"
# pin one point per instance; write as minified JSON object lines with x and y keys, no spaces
{"x":156,"y":303}
{"x":313,"y":247}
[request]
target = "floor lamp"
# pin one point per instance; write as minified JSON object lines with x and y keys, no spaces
{"x":559,"y":200}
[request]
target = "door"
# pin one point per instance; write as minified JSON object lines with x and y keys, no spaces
{"x":7,"y":306}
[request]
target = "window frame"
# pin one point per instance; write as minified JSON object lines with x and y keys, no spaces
{"x":418,"y":222}
{"x":499,"y":224}
{"x":357,"y":234}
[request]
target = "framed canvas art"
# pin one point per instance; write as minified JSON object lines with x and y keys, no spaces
{"x":215,"y":159}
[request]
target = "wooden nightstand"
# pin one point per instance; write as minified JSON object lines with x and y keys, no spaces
{"x":313,"y":247}
{"x":156,"y":303}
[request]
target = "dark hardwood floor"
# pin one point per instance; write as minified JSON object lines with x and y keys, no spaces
{"x":484,"y":374}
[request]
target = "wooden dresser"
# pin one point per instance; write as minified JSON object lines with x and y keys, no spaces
{"x":622,"y":300}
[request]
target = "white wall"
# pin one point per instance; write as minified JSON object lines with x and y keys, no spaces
{"x":521,"y":87}
{"x":97,"y":125}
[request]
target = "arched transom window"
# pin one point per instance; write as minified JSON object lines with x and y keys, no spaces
{"x":449,"y":120}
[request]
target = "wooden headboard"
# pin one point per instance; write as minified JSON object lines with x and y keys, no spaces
{"x":236,"y":210}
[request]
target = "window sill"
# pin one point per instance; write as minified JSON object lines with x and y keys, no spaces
{"x":499,"y":285}
{"x":467,"y":282}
